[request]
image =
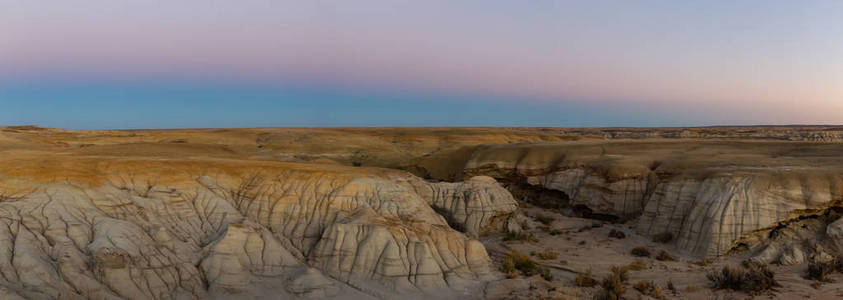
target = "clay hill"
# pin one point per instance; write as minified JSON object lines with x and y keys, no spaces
{"x":422,"y":213}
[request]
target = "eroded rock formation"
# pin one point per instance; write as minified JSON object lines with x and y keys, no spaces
{"x":316,"y":233}
{"x":705,"y":203}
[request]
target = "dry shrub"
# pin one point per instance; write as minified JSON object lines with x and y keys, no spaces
{"x":692,"y":289}
{"x":546,"y":220}
{"x":617,"y":234}
{"x":556,"y":232}
{"x":821,"y":271}
{"x":637,"y":265}
{"x":517,"y":261}
{"x":508,"y":267}
{"x":545,"y":273}
{"x":702,"y":263}
{"x":750,"y":277}
{"x":548,"y":255}
{"x":585,"y":279}
{"x":520,"y":236}
{"x":664,"y":256}
{"x":664,"y":237}
{"x":613,"y":284}
{"x":640,"y":251}
{"x":649,"y":288}
{"x":672,"y":288}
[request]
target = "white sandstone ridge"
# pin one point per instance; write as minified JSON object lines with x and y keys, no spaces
{"x":706,"y":205}
{"x":304,"y":233}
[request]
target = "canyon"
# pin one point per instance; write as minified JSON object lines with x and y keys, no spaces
{"x":386,"y":213}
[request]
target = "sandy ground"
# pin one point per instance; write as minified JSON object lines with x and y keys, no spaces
{"x":584,"y":244}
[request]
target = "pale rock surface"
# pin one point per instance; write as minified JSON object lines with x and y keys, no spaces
{"x":312,"y":284}
{"x":707,"y":205}
{"x":707,"y":215}
{"x":220,"y":236}
{"x":792,"y":255}
{"x":624,"y":197}
{"x":835,"y":230}
{"x":478,"y":205}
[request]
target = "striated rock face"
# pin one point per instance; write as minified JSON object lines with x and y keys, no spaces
{"x":707,"y":215}
{"x":624,"y":197}
{"x":706,"y":204}
{"x":476,"y":206}
{"x":363,"y":247}
{"x":618,"y":190}
{"x":245,"y":249}
{"x":316,"y":234}
{"x":362,"y":230}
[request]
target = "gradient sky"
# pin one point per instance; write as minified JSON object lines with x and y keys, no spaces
{"x":250,"y":63}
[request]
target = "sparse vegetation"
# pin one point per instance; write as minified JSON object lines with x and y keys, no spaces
{"x":508,"y":267}
{"x":640,"y":251}
{"x":671,"y":287}
{"x":548,"y":255}
{"x":556,"y":232}
{"x":613,"y":284}
{"x":664,"y":256}
{"x":585,"y":279}
{"x":545,"y":273}
{"x":821,"y":271}
{"x":751,"y":277}
{"x":617,"y":234}
{"x":649,"y":288}
{"x":664,"y":237}
{"x":520,"y":236}
{"x":702,"y":263}
{"x":546,"y":220}
{"x":637,"y":265}
{"x":692,"y":289}
{"x":515,"y":261}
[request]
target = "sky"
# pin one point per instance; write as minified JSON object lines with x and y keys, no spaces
{"x":117,"y":64}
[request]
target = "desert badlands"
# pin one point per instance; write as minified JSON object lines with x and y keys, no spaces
{"x":422,"y":213}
